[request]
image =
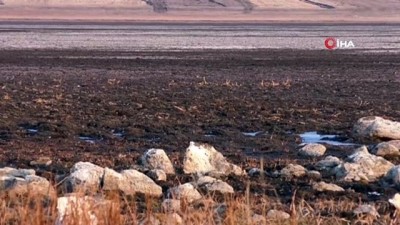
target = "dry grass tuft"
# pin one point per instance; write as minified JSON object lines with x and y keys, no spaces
{"x":115,"y":209}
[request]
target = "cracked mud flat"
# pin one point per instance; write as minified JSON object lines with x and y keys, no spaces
{"x":108,"y":107}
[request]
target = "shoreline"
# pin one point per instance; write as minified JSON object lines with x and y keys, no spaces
{"x":207,"y":16}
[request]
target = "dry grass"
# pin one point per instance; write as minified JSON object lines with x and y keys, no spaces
{"x":114,"y":209}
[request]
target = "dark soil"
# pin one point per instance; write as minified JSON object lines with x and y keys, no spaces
{"x":109,"y":107}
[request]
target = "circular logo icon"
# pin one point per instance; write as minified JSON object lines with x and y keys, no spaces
{"x":330,"y":43}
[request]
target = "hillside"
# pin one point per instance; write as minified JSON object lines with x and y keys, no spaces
{"x":262,"y":4}
{"x":189,"y":10}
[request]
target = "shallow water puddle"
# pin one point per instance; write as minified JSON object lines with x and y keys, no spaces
{"x":119,"y":134}
{"x":251,"y":134}
{"x":88,"y":139}
{"x":374,"y":193}
{"x":314,"y":137}
{"x":32,"y":131}
{"x":210,"y":135}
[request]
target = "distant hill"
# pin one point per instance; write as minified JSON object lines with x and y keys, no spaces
{"x":210,"y":10}
{"x":228,"y":4}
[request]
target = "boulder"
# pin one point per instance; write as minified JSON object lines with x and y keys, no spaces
{"x":113,"y":181}
{"x":292,"y":170}
{"x":31,"y":185}
{"x":185,"y":191}
{"x":312,"y":150}
{"x":363,"y":166}
{"x":386,"y":149}
{"x":157,"y":159}
{"x":8,"y":171}
{"x":203,"y":159}
{"x":210,"y":184}
{"x":157,"y":175}
{"x":24,"y":182}
{"x":277,"y":215}
{"x":81,"y":210}
{"x":87,"y":177}
{"x":41,"y":161}
{"x":328,"y":163}
{"x":395,"y":143}
{"x":84,"y":177}
{"x":374,"y":128}
{"x":322,"y":187}
{"x":75,"y":209}
{"x":314,"y":174}
{"x":130,"y":182}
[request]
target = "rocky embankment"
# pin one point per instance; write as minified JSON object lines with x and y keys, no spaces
{"x":368,"y":163}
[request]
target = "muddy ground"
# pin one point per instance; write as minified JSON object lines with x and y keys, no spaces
{"x":109,"y":107}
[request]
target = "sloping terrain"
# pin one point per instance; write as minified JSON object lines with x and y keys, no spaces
{"x":261,"y":4}
{"x":74,"y":2}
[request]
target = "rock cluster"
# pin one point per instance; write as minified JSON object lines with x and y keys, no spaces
{"x":208,"y":169}
{"x":362,"y":166}
{"x":203,"y":158}
{"x":86,"y":177}
{"x":374,"y":128}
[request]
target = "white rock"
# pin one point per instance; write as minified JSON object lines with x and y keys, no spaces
{"x":8,"y":171}
{"x":31,"y":184}
{"x":203,"y":158}
{"x":131,"y":182}
{"x":277,"y":215}
{"x":211,"y":184}
{"x":157,"y":175}
{"x":328,"y":163}
{"x":353,"y":172}
{"x":82,"y":210}
{"x":205,"y":180}
{"x":314,"y":174}
{"x":363,"y":167}
{"x":23,"y":182}
{"x":395,"y":201}
{"x":322,"y":187}
{"x":366,"y":210}
{"x":386,"y":149}
{"x":157,"y":159}
{"x":185,"y":191}
{"x":292,"y":170}
{"x":395,"y":143}
{"x":375,"y":128}
{"x":41,"y":161}
{"x":113,"y":181}
{"x":85,"y":177}
{"x":312,"y":150}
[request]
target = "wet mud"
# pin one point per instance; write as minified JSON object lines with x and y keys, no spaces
{"x":108,"y":107}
